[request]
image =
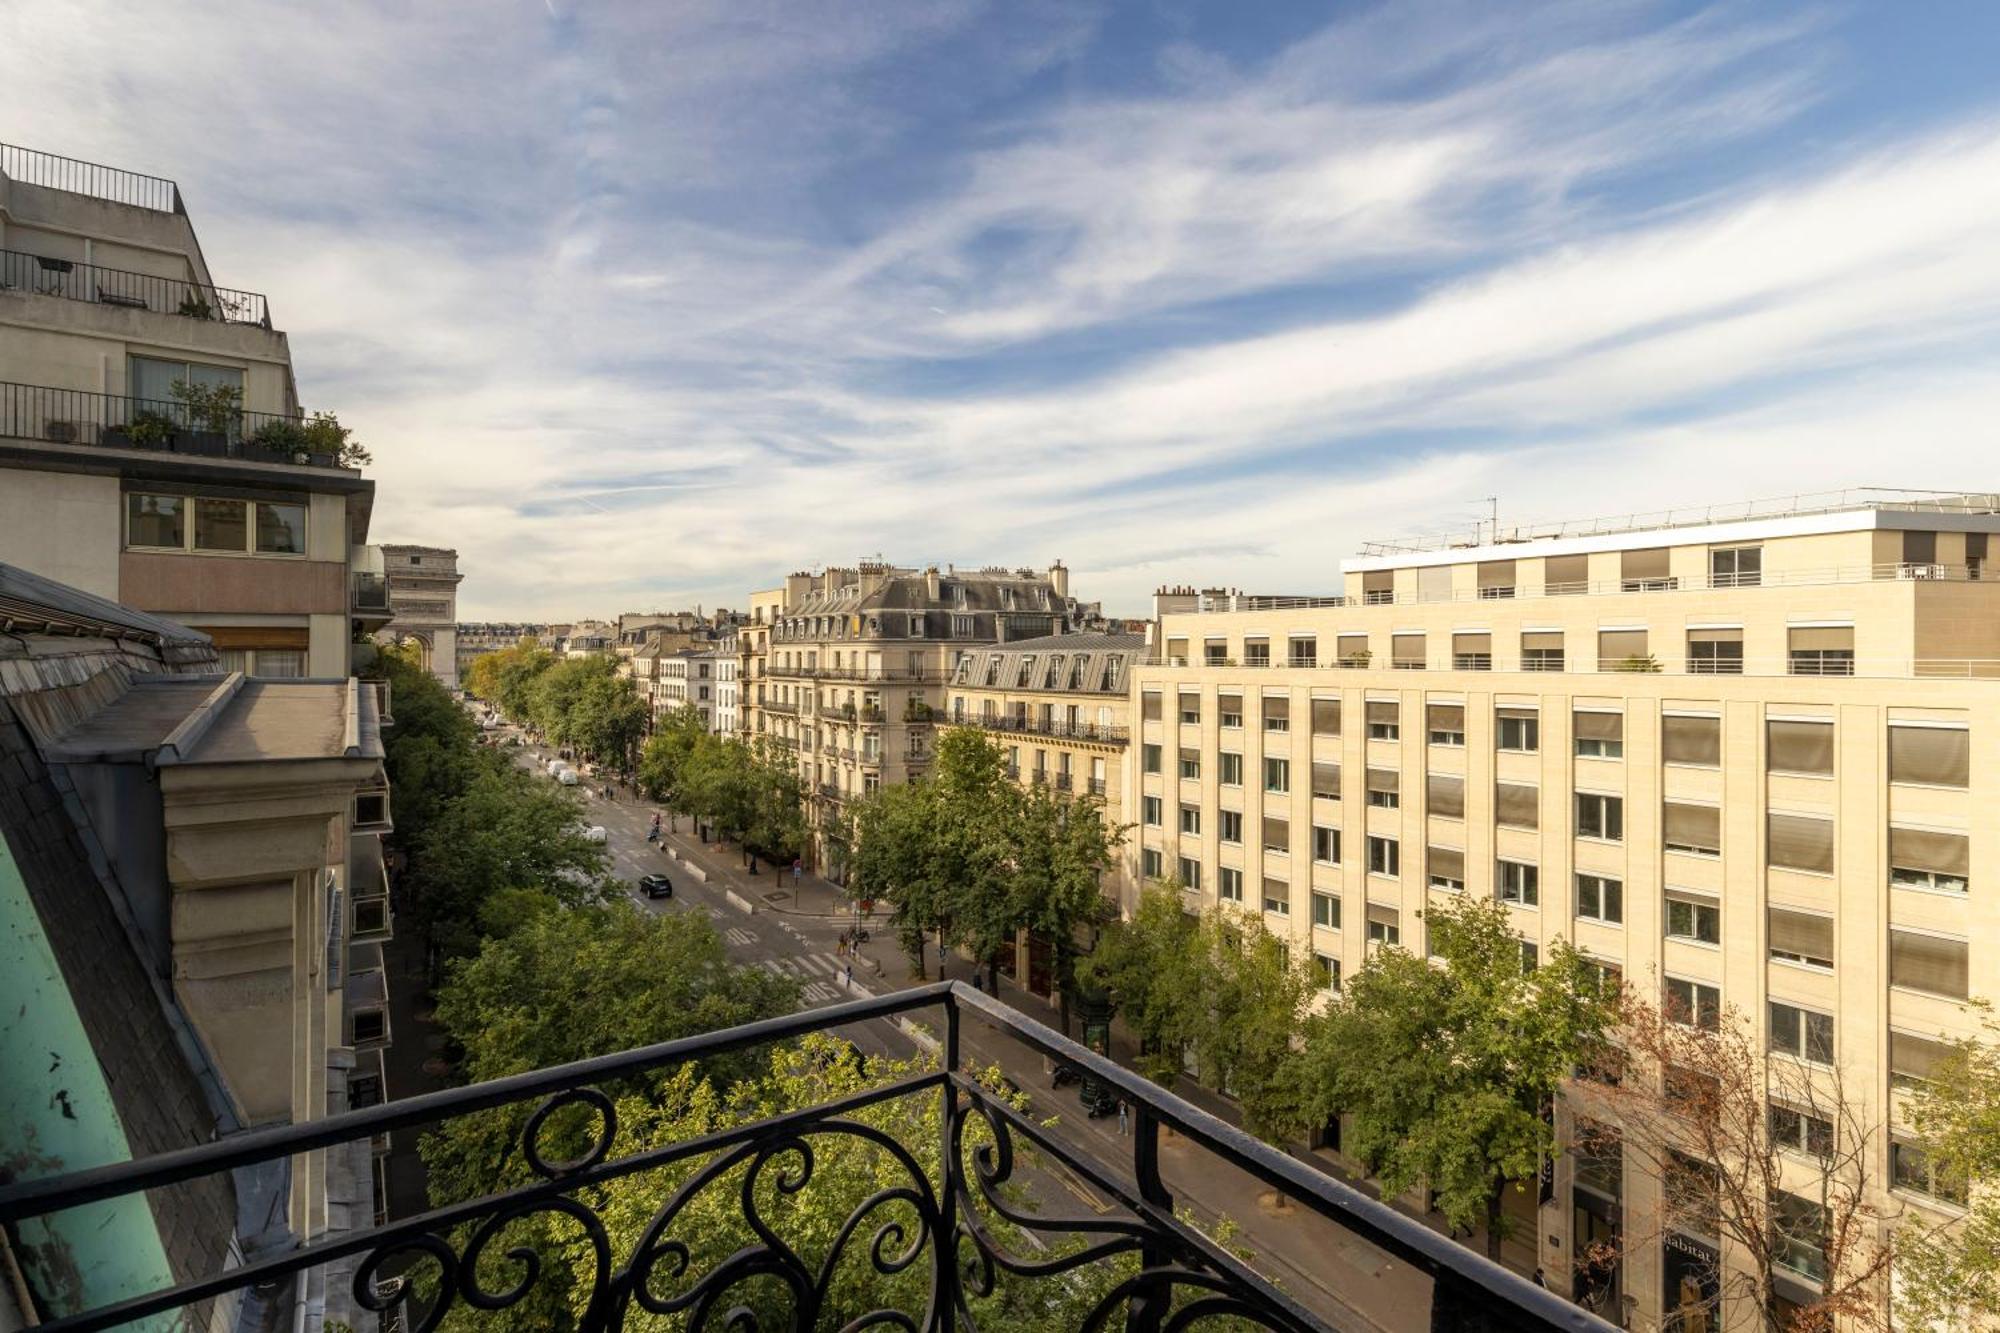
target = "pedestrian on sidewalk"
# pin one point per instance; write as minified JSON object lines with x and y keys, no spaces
{"x":1124,"y":1118}
{"x":850,"y":976}
{"x":798,"y":871}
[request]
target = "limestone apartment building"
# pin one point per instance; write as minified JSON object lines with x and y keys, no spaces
{"x":855,"y":665}
{"x":1742,"y":757}
{"x":114,"y":484}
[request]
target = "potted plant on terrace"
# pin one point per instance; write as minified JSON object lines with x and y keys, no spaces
{"x":146,"y":430}
{"x":214,"y":411}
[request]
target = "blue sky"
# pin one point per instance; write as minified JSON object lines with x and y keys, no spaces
{"x":643,"y":306}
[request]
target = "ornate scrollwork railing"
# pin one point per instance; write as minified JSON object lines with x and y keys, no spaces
{"x":938,"y":1230}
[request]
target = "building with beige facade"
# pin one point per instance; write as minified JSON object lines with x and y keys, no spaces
{"x":1735,"y":755}
{"x":753,"y":654}
{"x":149,"y":429}
{"x":858,"y":659}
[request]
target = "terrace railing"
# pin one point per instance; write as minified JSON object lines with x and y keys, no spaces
{"x":31,"y":166}
{"x":75,"y":416}
{"x":75,"y":281}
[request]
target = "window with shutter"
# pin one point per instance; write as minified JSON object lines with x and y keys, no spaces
{"x":1384,"y":788}
{"x":1326,"y":717}
{"x":1799,"y":747}
{"x":1378,"y":586}
{"x":1517,"y":806}
{"x":1691,"y":740}
{"x":1472,"y":652}
{"x":1644,"y":571}
{"x":1150,"y":706}
{"x":1934,"y":964}
{"x":1821,"y":650}
{"x":1715,"y":652}
{"x":1446,"y":795}
{"x":1692,"y":828}
{"x":1326,"y":780}
{"x":1914,"y":1059}
{"x":1565,"y":575}
{"x":1801,"y":937}
{"x":1924,"y":859}
{"x":1277,"y":712}
{"x":1352,"y":650}
{"x":1446,"y":724}
{"x":1599,"y":735}
{"x":1447,"y":868}
{"x":1623,"y":650}
{"x":1496,"y":579}
{"x":1406,"y":652}
{"x":1277,"y":835}
{"x":1382,"y":721}
{"x":1799,"y":842}
{"x":1929,"y":756}
{"x":1518,"y":730}
{"x":1541,"y":650}
{"x":1434,"y":584}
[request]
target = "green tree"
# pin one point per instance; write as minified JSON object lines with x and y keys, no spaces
{"x":553,"y":699}
{"x":665,"y":754}
{"x":1444,"y":1071}
{"x":430,"y":754}
{"x":1950,"y":1268}
{"x":506,"y":831}
{"x":1061,"y":848}
{"x":608,"y":720}
{"x":1151,"y":966}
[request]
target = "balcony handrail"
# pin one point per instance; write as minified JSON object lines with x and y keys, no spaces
{"x":1660,"y":520}
{"x":73,"y":280}
{"x":1585,"y":661}
{"x":1886,"y":572}
{"x":32,"y":166}
{"x":1468,"y":1289}
{"x":50,"y":415}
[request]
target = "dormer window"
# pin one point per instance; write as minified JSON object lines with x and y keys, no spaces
{"x":1054,"y":678}
{"x":1026,"y":672}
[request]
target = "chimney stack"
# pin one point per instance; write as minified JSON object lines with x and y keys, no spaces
{"x":1059,"y":578}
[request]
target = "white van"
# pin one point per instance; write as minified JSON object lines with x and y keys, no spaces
{"x":567,"y":777}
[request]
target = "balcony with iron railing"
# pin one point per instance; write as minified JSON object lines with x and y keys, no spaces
{"x":112,"y":421}
{"x":966,"y":1217}
{"x":72,"y":280}
{"x":31,"y":166}
{"x":1586,"y":661}
{"x":1055,"y":728}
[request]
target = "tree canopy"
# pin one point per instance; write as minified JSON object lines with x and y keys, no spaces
{"x":1952,"y":1267}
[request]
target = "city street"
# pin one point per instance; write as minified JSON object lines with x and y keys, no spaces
{"x":797,"y":932}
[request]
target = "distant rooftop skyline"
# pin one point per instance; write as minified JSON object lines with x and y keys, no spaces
{"x":652,"y":305}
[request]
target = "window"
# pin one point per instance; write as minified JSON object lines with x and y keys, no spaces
{"x":1382,"y":723}
{"x":1326,"y":717}
{"x":1190,"y":820}
{"x":1801,"y":937}
{"x":1518,"y":730}
{"x":1277,"y":775}
{"x":1736,"y":566}
{"x":1277,"y":834}
{"x":1693,"y":917}
{"x":1446,"y":795}
{"x":1694,"y":1004}
{"x":1229,"y":884}
{"x":1277,"y":713}
{"x":1385,"y":925}
{"x":1302,"y":650}
{"x":1472,"y":652}
{"x":1277,"y":897}
{"x":1191,"y":873}
{"x":1691,"y":740}
{"x":1802,"y":1033}
{"x":1519,"y":883}
{"x":1496,"y":579}
{"x":1326,"y":910}
{"x":1644,"y":571}
{"x":1190,"y":763}
{"x":1929,"y":756}
{"x":1517,"y":806}
{"x":1565,"y":575}
{"x":1600,"y":735}
{"x":1913,"y":1169}
{"x":1229,"y":711}
{"x":1326,"y":845}
{"x":1715,"y":652}
{"x":1325,"y":780}
{"x":1921,"y":859}
{"x":1801,"y":1131}
{"x":1378,"y":586}
{"x":1600,"y":898}
{"x":1531,"y":955}
{"x":1822,"y":650}
{"x":1406,"y":652}
{"x":370,"y":1026}
{"x":1257,"y":652}
{"x":1190,"y":710}
{"x":1696,"y":829}
{"x":1353,"y":650}
{"x":221,"y":525}
{"x":1385,"y":856}
{"x":1149,"y":758}
{"x":1328,"y":970}
{"x":156,"y":520}
{"x":1913,"y":1060}
{"x":1447,"y":868}
{"x":1599,"y":816}
{"x":153,"y":378}
{"x":1231,"y":765}
{"x":1150,"y":706}
{"x":1934,"y":964}
{"x":1541,"y":650}
{"x":1798,"y":1239}
{"x":1215,"y":652}
{"x":1384,"y":788}
{"x":1232,"y":825}
{"x":1799,"y":842}
{"x":1149,"y":810}
{"x":1799,"y":746}
{"x":1149,"y":862}
{"x":1447,"y":724}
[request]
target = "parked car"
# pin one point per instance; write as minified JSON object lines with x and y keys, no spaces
{"x":567,"y":776}
{"x":596,"y":833}
{"x":656,"y":886}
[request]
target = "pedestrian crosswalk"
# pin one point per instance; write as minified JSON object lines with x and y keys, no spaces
{"x":821,"y":973}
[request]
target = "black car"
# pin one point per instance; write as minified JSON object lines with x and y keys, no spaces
{"x":656,"y":886}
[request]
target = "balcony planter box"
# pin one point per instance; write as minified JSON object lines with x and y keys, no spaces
{"x":318,"y":460}
{"x":121,"y":437}
{"x":202,"y":443}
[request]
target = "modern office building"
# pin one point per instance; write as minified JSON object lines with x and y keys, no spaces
{"x":1740,"y":756}
{"x":858,"y":659}
{"x":152,"y":444}
{"x":423,"y":593}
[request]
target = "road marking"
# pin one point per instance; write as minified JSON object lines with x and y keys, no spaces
{"x":739,"y":937}
{"x":819,"y":992}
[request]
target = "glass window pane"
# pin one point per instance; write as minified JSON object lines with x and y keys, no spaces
{"x":281,"y":529}
{"x":220,"y":525}
{"x":154,"y":379}
{"x":156,"y":520}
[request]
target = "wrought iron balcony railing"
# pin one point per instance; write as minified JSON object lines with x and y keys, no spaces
{"x":935,"y":1228}
{"x":77,"y":416}
{"x":97,"y":285}
{"x":1053,"y":727}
